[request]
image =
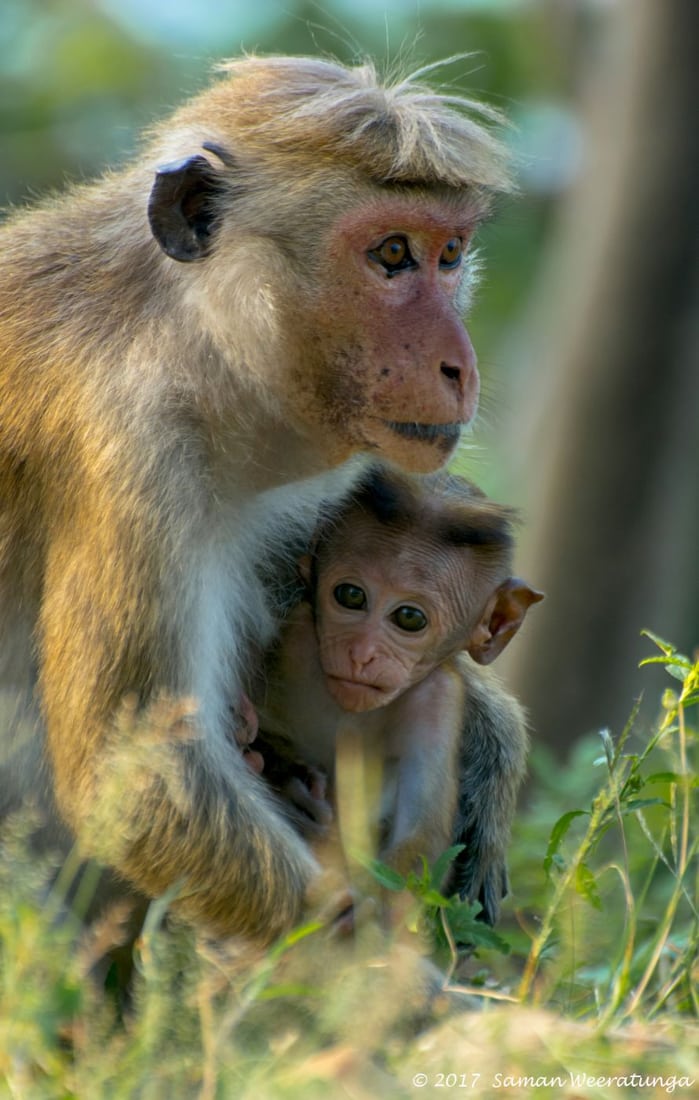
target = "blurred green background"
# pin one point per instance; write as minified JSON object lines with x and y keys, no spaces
{"x":585,"y":320}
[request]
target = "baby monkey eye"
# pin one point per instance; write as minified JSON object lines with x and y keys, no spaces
{"x":409,"y":618}
{"x":350,"y":596}
{"x":393,"y":254}
{"x":452,"y":253}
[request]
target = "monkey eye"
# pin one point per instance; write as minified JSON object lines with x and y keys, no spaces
{"x":393,"y":254}
{"x":350,"y":596}
{"x":411,"y":619}
{"x":451,"y":253}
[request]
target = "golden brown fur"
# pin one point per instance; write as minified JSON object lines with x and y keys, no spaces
{"x":165,"y":426}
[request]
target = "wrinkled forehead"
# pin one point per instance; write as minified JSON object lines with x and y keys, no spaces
{"x":407,"y":560}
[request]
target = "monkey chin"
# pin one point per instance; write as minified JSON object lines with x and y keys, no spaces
{"x":418,"y":448}
{"x":356,"y":697}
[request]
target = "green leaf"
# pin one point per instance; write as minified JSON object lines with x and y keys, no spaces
{"x":676,"y":664}
{"x":442,"y":864}
{"x":467,"y":929}
{"x":557,"y":834}
{"x":678,"y":669}
{"x":433,"y":897}
{"x":667,"y":649}
{"x":384,"y":875}
{"x":295,"y":936}
{"x":586,"y":885}
{"x":485,"y":936}
{"x":664,"y":777}
{"x":641,"y":803}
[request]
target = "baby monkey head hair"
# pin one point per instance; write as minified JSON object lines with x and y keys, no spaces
{"x":442,"y":512}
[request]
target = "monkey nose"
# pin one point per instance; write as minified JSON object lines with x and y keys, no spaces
{"x":462,"y":385}
{"x":452,"y":374}
{"x":458,"y":368}
{"x":360,"y":658}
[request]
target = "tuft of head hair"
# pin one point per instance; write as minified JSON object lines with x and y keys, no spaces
{"x":393,"y":132}
{"x":450,"y":509}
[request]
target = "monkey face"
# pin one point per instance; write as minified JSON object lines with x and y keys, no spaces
{"x":380,"y":625}
{"x":358,"y":331}
{"x":392,"y":367}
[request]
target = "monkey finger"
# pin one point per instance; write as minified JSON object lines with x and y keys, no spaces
{"x":249,"y":715}
{"x":317,"y":784}
{"x":247,"y":724}
{"x":319,"y":811}
{"x":254,"y":761}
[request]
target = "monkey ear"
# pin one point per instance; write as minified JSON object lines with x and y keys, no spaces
{"x":181,"y":208}
{"x":502,"y":618}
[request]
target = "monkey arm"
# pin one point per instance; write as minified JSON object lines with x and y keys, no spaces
{"x":151,"y":789}
{"x":425,"y":726}
{"x":492,"y":761}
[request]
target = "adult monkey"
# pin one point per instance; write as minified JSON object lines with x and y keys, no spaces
{"x":191,"y":351}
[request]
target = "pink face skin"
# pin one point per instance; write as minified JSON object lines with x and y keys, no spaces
{"x":379,"y":627}
{"x":395,"y":364}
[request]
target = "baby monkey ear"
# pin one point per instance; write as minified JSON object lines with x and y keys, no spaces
{"x":503,"y":615}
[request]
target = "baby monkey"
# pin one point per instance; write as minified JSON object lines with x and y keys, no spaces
{"x":407,"y":584}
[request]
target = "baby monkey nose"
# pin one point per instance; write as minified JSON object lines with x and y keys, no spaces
{"x":362,"y":653}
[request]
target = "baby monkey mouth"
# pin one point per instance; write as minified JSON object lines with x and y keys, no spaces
{"x":354,"y":683}
{"x":356,"y":696}
{"x":425,"y":433}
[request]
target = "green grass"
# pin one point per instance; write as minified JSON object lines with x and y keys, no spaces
{"x":592,"y":976}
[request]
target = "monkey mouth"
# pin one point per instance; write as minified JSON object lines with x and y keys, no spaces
{"x":345,"y":680}
{"x":425,"y":433}
{"x":355,"y":695}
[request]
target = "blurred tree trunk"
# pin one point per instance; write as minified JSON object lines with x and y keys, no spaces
{"x":612,"y":459}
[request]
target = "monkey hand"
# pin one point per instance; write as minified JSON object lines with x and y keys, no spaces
{"x":305,"y":802}
{"x":247,"y":724}
{"x":302,"y":789}
{"x":253,"y":760}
